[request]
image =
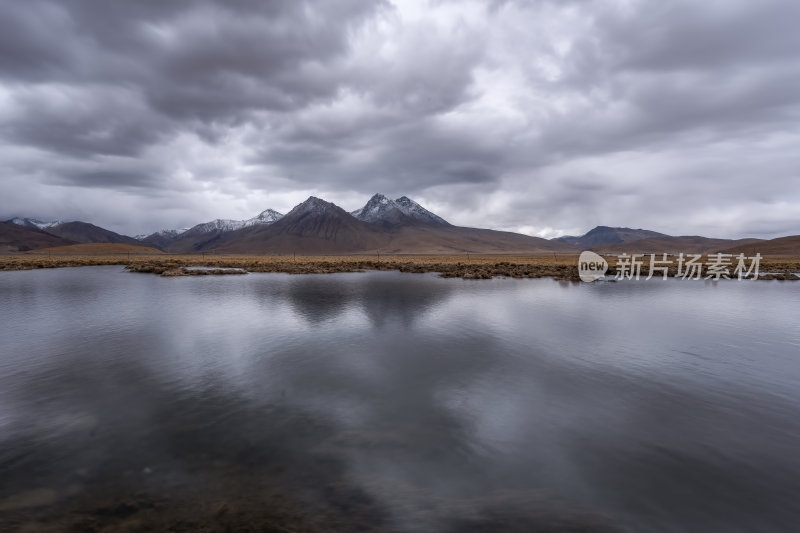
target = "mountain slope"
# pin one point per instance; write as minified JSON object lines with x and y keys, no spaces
{"x":83,"y":232}
{"x":419,"y":213}
{"x":781,"y":246}
{"x":16,"y":237}
{"x":690,"y":244}
{"x":457,"y":240}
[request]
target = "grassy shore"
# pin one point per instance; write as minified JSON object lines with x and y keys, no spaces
{"x":558,"y":266}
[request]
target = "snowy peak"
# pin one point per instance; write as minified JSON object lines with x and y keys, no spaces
{"x":312,"y":205}
{"x":34,"y":222}
{"x":170,"y":232}
{"x":162,"y":234}
{"x":379,"y":208}
{"x":219,"y":225}
{"x":265,"y":217}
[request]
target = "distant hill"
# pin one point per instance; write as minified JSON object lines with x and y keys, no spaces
{"x":99,"y":248}
{"x":16,"y":237}
{"x":608,"y":235}
{"x":687,"y":244}
{"x":161,"y":239}
{"x":780,"y":246}
{"x":83,"y":232}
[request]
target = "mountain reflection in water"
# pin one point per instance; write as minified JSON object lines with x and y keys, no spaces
{"x":396,"y":402}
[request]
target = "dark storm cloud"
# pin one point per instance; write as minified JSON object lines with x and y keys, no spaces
{"x":545,"y":116}
{"x":119,"y":179}
{"x":205,"y":60}
{"x":86,"y":121}
{"x":684,"y":34}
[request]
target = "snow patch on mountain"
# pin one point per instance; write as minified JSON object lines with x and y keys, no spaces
{"x":267,"y":216}
{"x":34,"y":222}
{"x":164,"y":234}
{"x":219,"y":224}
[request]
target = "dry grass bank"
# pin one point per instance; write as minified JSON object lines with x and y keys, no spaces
{"x":97,"y":248}
{"x":558,"y":266}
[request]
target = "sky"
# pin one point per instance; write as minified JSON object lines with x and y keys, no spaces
{"x":546,"y":117}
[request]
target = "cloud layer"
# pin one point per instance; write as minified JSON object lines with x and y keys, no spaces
{"x":541,"y":116}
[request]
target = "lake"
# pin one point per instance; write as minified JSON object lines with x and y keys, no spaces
{"x":383,"y":401}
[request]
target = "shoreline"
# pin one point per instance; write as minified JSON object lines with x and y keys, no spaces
{"x":558,"y":267}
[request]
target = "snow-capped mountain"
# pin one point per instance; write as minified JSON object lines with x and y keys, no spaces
{"x":379,"y":208}
{"x":34,"y":223}
{"x":219,"y":224}
{"x":312,"y":205}
{"x":163,"y":234}
{"x":267,"y":216}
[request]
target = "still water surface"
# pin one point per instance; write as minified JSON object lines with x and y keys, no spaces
{"x":397,"y":402}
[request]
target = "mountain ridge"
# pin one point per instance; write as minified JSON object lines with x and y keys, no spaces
{"x":382,"y":225}
{"x":609,"y":235}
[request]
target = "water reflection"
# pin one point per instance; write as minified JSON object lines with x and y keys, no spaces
{"x":384,"y":401}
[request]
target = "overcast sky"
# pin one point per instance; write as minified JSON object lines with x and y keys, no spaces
{"x":545,"y":116}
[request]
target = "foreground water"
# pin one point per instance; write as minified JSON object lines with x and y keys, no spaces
{"x":396,"y":402}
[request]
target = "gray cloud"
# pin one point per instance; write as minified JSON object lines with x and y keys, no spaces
{"x":545,"y":117}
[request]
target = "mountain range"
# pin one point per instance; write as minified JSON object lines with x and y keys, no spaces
{"x":382,"y":225}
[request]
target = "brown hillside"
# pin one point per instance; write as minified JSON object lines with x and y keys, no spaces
{"x":690,"y":244}
{"x":789,"y":246}
{"x":16,"y":238}
{"x":98,"y":248}
{"x":83,"y":232}
{"x":460,"y":240}
{"x":341,"y":236}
